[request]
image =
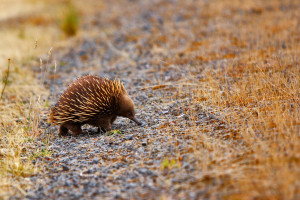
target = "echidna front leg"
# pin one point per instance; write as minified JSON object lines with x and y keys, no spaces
{"x":76,"y":130}
{"x":104,"y":123}
{"x":107,"y":126}
{"x":101,"y":130}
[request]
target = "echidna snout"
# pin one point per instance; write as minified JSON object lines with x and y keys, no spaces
{"x":126,"y":109}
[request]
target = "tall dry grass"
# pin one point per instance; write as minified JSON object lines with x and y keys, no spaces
{"x":262,"y":106}
{"x":21,"y":109}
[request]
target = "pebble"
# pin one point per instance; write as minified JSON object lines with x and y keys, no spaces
{"x":144,"y":142}
{"x":129,"y":137}
{"x":65,"y":168}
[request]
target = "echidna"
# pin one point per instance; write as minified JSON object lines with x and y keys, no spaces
{"x":91,"y":100}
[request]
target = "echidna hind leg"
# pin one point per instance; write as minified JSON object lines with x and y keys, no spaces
{"x":63,"y":130}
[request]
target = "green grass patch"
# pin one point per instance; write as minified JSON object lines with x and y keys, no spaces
{"x":113,"y":132}
{"x":70,"y":21}
{"x":169,"y":164}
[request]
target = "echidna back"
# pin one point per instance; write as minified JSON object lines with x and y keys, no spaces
{"x":87,"y":97}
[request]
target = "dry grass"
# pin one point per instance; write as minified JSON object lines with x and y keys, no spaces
{"x":260,"y":113}
{"x":21,"y":109}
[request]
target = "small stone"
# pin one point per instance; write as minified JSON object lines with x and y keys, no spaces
{"x":65,"y":168}
{"x":146,"y":172}
{"x":165,"y":112}
{"x":130,"y":185}
{"x":95,"y":161}
{"x":181,"y":116}
{"x":128,"y":137}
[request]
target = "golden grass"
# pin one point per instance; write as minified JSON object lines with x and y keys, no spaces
{"x":252,"y":147}
{"x":21,"y":108}
{"x":263,"y":108}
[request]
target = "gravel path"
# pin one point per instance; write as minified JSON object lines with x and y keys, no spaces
{"x":137,"y":164}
